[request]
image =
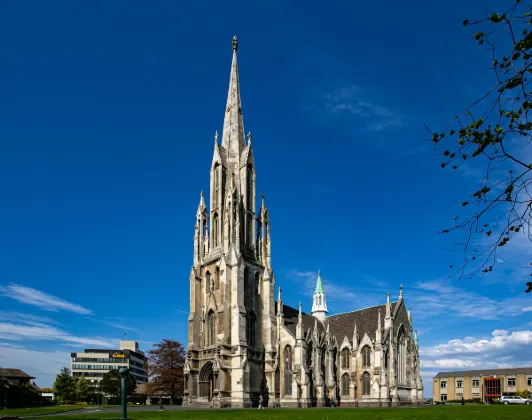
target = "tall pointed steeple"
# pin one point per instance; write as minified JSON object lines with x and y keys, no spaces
{"x":319,"y":305}
{"x":233,"y":138}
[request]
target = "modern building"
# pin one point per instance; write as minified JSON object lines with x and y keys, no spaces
{"x":243,"y":343}
{"x":94,"y":363}
{"x":485,"y":384}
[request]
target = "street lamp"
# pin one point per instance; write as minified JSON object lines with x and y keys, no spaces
{"x":124,"y":374}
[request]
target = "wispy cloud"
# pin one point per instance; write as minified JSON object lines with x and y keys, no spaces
{"x":21,"y":316}
{"x":349,"y":102}
{"x":435,"y":297}
{"x":31,"y":330}
{"x":527,"y":309}
{"x":40,"y":299}
{"x":113,"y":323}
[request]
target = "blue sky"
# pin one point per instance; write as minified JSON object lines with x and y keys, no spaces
{"x":108,"y":112}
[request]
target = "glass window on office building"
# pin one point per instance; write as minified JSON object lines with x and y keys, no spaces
{"x":443,"y":384}
{"x":475,"y":383}
{"x":459,"y":384}
{"x":511,"y":381}
{"x":529,"y":381}
{"x":443,"y":397}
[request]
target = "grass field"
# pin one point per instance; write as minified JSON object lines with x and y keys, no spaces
{"x":493,"y":412}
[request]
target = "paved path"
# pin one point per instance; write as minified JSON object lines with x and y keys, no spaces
{"x":130,"y":409}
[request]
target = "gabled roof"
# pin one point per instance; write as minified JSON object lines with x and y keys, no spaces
{"x":14,"y":373}
{"x":342,"y":325}
{"x":485,"y":372}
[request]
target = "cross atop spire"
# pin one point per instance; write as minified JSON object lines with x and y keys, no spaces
{"x":233,"y":137}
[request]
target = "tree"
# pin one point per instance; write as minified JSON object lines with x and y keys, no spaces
{"x":47,"y":390}
{"x":64,"y":387}
{"x":82,"y":388}
{"x":495,"y":133}
{"x":166,"y":361}
{"x":111,"y":383}
{"x":4,"y":386}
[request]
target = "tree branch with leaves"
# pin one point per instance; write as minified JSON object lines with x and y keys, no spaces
{"x":495,"y":132}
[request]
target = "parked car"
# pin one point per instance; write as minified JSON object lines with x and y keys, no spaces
{"x":512,"y":399}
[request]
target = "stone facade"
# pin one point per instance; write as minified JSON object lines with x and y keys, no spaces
{"x":243,"y":343}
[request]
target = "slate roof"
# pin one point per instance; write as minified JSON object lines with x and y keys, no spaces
{"x":291,"y":318}
{"x":485,"y":372}
{"x":14,"y":373}
{"x":342,"y":325}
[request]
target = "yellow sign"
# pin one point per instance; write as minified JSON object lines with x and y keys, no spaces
{"x":117,"y":356}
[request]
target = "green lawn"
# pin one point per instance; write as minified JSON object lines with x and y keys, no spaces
{"x":493,"y":412}
{"x":38,"y":410}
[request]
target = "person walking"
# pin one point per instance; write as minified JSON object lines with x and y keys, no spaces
{"x":161,"y":408}
{"x":260,"y":402}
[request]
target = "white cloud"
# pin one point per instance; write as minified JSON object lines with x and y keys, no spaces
{"x":113,"y":323}
{"x":527,"y":309}
{"x":44,"y":365}
{"x":43,"y":300}
{"x":31,"y":330}
{"x":500,"y":342}
{"x":349,"y":101}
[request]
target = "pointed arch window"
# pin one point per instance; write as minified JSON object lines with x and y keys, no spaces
{"x":211,"y":328}
{"x":249,"y":187}
{"x":216,"y":184}
{"x":288,"y":371}
{"x":217,"y":278}
{"x":401,"y":357}
{"x":366,"y":389}
{"x":323,"y":365}
{"x":205,"y":228}
{"x":215,"y":230}
{"x":309,"y":355}
{"x":249,"y":230}
{"x":250,"y":329}
{"x":345,"y":358}
{"x":207,"y":281}
{"x":366,"y":357}
{"x":345,"y":385}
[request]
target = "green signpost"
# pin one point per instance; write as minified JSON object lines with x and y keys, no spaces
{"x":124,"y":373}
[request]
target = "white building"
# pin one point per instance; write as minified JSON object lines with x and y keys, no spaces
{"x":94,"y":363}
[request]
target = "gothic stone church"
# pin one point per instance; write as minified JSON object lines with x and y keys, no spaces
{"x":243,"y":343}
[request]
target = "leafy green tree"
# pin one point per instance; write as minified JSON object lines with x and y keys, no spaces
{"x":47,"y":390}
{"x":64,"y":387}
{"x":111,"y":383}
{"x":166,"y":361}
{"x":494,"y":133}
{"x":82,"y":388}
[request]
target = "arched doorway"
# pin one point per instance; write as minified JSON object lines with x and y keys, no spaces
{"x":206,"y":381}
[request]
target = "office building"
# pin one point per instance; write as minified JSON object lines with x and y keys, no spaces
{"x":94,"y":363}
{"x":485,"y":384}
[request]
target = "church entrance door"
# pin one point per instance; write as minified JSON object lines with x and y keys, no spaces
{"x":206,"y":381}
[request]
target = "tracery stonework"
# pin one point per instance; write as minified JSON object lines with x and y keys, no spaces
{"x":243,"y":343}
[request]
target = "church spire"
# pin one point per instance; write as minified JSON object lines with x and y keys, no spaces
{"x":319,"y":305}
{"x":233,"y":138}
